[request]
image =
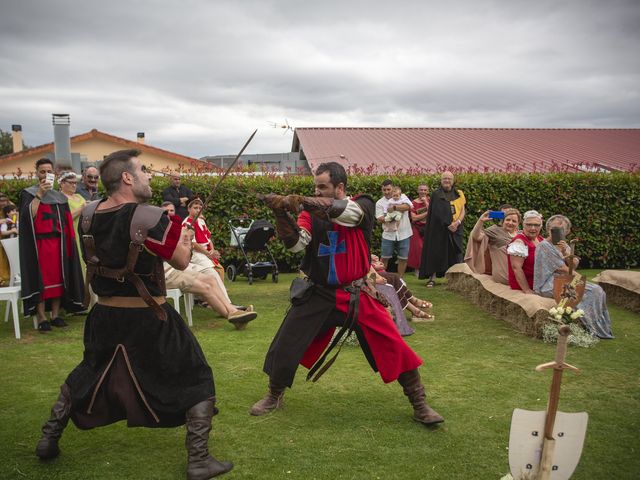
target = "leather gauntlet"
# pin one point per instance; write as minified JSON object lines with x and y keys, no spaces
{"x":322,"y":207}
{"x":286,"y":228}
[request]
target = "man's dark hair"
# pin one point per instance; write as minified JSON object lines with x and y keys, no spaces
{"x":113,"y":166}
{"x":337,"y":174}
{"x":43,"y":161}
{"x":7,"y":208}
{"x":387,"y":182}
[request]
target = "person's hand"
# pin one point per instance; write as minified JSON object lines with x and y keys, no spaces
{"x":186,"y":236}
{"x":564,"y":248}
{"x":184,"y":200}
{"x":485,"y":217}
{"x":454,"y":226}
{"x":44,"y":187}
{"x":215,"y":254}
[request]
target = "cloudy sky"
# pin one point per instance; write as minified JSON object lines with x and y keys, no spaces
{"x":199,"y":76}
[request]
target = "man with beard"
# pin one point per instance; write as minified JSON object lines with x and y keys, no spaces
{"x":141,"y":362}
{"x":335,"y":232}
{"x":443,"y":232}
{"x":51,"y":277}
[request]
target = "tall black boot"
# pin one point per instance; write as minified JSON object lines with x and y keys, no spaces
{"x":201,"y":465}
{"x":414,"y":390}
{"x":52,"y":430}
{"x":271,"y":401}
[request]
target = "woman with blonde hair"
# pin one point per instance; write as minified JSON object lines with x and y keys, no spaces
{"x":487,"y":247}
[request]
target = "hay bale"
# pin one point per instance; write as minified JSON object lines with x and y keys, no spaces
{"x":525,"y":313}
{"x":622,"y":288}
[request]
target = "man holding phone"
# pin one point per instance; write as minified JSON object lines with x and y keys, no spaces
{"x":49,"y":261}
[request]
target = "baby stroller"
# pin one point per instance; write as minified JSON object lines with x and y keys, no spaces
{"x":252,"y":238}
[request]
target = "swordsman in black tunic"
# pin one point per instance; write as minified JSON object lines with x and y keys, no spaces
{"x":141,"y":362}
{"x":335,"y":231}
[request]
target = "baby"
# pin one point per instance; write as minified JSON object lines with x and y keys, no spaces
{"x":392,"y":218}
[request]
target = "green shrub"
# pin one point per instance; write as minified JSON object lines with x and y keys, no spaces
{"x":602,"y":207}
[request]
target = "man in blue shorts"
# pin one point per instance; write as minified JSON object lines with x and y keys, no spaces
{"x":393,"y":214}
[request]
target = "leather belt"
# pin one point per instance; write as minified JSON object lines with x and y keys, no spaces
{"x":128,"y":302}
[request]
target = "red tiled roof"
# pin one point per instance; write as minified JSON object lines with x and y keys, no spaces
{"x":47,"y":147}
{"x":470,"y":149}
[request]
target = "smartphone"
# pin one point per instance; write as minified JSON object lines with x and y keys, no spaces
{"x":50,"y":178}
{"x":496,"y":214}
{"x":557,"y":234}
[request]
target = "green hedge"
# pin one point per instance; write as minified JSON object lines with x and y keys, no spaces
{"x":602,"y":207}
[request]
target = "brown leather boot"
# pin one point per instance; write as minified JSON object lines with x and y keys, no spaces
{"x":201,"y":465}
{"x":272,"y":401}
{"x":47,"y":447}
{"x":414,"y":390}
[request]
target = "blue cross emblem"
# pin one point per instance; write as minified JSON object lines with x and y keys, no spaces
{"x":332,"y":250}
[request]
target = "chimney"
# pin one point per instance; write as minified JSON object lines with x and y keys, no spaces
{"x":16,"y":135}
{"x":140,"y":137}
{"x":62,"y":141}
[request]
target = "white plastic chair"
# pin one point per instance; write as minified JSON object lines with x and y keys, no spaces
{"x":12,"y":293}
{"x":175,"y":294}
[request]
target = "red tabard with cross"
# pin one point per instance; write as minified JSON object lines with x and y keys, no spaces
{"x":47,"y":229}
{"x":342,"y":256}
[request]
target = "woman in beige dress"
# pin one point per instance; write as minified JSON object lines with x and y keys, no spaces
{"x":487,"y":247}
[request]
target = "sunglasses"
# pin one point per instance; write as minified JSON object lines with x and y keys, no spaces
{"x":93,"y":177}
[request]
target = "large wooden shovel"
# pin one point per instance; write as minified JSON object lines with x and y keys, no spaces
{"x":547,"y":445}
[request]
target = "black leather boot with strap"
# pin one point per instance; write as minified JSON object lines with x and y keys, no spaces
{"x":47,"y":447}
{"x":414,"y":390}
{"x":201,"y":465}
{"x":271,"y":401}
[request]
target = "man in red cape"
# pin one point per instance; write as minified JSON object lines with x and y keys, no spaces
{"x":335,"y":232}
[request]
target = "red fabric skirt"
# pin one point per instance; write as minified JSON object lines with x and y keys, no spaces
{"x":50,"y":260}
{"x":415,"y":249}
{"x":391,"y":353}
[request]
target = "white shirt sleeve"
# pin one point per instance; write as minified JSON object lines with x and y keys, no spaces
{"x":351,"y":216}
{"x":518,"y":249}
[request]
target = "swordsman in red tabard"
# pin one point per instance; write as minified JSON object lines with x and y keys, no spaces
{"x":335,"y":232}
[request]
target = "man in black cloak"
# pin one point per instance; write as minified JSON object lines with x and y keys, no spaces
{"x":141,"y":362}
{"x":443,"y":231}
{"x":50,"y":271}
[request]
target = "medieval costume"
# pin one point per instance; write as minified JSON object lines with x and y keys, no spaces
{"x":442,"y":248}
{"x":594,"y":301}
{"x":336,"y":237}
{"x":489,"y":255}
{"x":417,"y":241}
{"x":49,"y":260}
{"x":141,"y":362}
{"x":526,"y":250}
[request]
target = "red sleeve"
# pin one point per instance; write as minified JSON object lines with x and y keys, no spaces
{"x":163,"y":238}
{"x":305,"y":221}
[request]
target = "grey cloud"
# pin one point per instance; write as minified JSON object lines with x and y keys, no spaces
{"x":197,"y":75}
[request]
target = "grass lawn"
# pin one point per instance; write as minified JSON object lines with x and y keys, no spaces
{"x":349,"y":425}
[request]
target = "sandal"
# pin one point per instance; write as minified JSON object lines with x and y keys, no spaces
{"x":423,"y":317}
{"x":421,"y":303}
{"x":431,"y":284}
